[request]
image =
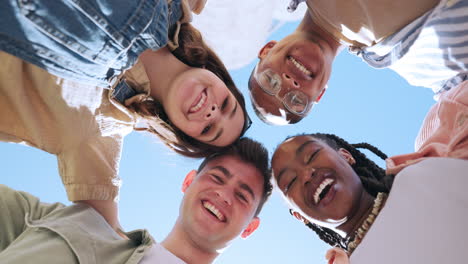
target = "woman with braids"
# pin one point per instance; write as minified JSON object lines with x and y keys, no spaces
{"x":352,"y":204}
{"x":78,"y":76}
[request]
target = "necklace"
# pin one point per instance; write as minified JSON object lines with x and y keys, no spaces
{"x":362,"y":230}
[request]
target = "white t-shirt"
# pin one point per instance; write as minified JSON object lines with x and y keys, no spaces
{"x":157,"y":254}
{"x":424,"y":219}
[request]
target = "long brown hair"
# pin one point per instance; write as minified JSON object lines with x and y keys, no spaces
{"x":194,"y":52}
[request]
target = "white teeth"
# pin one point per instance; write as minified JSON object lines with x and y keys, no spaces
{"x":301,"y":67}
{"x":199,"y":104}
{"x":215,"y":211}
{"x":320,"y":189}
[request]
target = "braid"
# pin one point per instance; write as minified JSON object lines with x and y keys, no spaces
{"x":372,"y":176}
{"x":329,"y":236}
{"x":325,"y":234}
{"x":372,"y":148}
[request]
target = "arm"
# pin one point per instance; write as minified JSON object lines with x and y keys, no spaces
{"x":89,"y":173}
{"x":14,"y":206}
{"x":109,"y":210}
{"x":444,"y":132}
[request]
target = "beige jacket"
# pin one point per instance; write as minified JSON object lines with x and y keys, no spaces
{"x":76,"y":122}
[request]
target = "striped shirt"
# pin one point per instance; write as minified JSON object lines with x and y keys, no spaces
{"x":432,"y":51}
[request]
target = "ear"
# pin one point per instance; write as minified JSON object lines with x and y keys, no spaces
{"x":347,"y":156}
{"x":321,"y":94}
{"x":253,"y":225}
{"x":188,"y":180}
{"x":266,"y":49}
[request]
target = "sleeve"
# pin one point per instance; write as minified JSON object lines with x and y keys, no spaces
{"x":14,"y":206}
{"x":89,"y":170}
{"x":444,"y":132}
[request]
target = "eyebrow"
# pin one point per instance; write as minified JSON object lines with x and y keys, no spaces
{"x":233,"y":111}
{"x":217,"y":135}
{"x":281,"y":175}
{"x":229,"y":176}
{"x":248,"y":189}
{"x":223,"y":170}
{"x":298,"y":152}
{"x":301,"y":148}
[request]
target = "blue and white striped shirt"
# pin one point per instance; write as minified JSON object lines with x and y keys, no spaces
{"x":432,"y":51}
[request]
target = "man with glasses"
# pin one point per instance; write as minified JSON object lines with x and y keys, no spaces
{"x":286,"y":83}
{"x":292,"y":74}
{"x":410,"y":37}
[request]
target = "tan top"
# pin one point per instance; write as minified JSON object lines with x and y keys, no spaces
{"x":361,"y":23}
{"x":74,"y":121}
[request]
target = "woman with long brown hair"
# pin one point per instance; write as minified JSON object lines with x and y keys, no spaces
{"x":76,"y":77}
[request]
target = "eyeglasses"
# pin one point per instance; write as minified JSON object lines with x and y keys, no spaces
{"x":295,"y":101}
{"x":247,"y":124}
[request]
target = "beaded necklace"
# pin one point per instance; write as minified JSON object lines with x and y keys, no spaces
{"x":361,"y":231}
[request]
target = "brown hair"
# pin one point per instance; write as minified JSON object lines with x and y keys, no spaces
{"x":253,"y":152}
{"x":194,"y":52}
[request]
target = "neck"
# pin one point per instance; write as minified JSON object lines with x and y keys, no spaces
{"x":162,"y":68}
{"x":309,"y":27}
{"x":364,"y":208}
{"x":180,"y":244}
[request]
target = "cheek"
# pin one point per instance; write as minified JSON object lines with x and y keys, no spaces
{"x":190,"y":128}
{"x":295,"y":200}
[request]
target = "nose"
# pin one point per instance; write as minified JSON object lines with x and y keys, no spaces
{"x":306,"y":174}
{"x":290,"y":80}
{"x":212,"y":112}
{"x":224,"y":197}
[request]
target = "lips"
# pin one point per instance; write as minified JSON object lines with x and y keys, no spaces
{"x":320,"y":189}
{"x":214,"y":211}
{"x":199,"y":102}
{"x":300,"y":68}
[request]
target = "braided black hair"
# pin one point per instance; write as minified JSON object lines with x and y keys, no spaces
{"x":372,"y":176}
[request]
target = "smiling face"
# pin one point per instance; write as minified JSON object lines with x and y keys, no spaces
{"x":317,"y":180}
{"x":303,"y":61}
{"x":221,"y":202}
{"x":201,"y":105}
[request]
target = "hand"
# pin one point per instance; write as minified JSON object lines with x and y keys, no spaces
{"x":337,"y":256}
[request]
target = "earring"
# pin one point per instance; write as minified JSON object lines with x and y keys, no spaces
{"x":298,"y":216}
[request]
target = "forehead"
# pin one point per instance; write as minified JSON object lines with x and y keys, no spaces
{"x":240,"y":171}
{"x":288,"y":149}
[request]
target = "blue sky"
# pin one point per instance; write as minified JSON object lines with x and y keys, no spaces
{"x":361,"y":105}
